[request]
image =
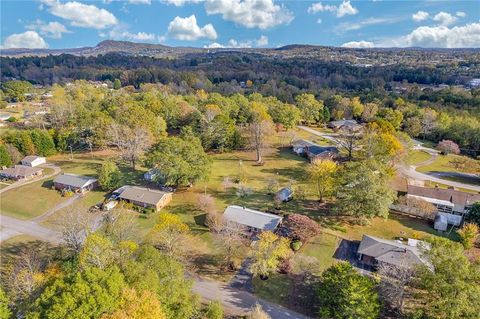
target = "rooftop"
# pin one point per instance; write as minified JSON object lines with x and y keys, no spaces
{"x":316,"y":150}
{"x":252,"y":218}
{"x":31,"y":158}
{"x":74,"y":180}
{"x":391,"y":251}
{"x":449,"y":195}
{"x":20,"y":171}
{"x":142,"y":194}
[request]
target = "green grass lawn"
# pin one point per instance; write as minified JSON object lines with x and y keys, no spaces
{"x":31,"y":200}
{"x":441,"y":164}
{"x":415,"y":157}
{"x":322,"y":247}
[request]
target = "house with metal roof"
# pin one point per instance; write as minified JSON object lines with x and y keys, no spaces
{"x":145,"y":197}
{"x":317,"y":152}
{"x":21,"y":172}
{"x":33,"y":160}
{"x":299,"y":146}
{"x":374,"y":251}
{"x":255,"y":221}
{"x":74,"y":183}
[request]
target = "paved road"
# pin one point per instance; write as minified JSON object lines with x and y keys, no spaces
{"x":409,"y":171}
{"x":10,"y":227}
{"x":330,"y":137}
{"x":238,"y":302}
{"x":56,"y":170}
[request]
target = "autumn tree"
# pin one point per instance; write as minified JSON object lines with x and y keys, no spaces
{"x":322,"y":176}
{"x":473,"y":215}
{"x":230,"y":238}
{"x":5,"y":311}
{"x":311,"y":109}
{"x":348,"y":139}
{"x":170,"y":235}
{"x":300,"y":227}
{"x":394,"y":281}
{"x":468,"y":235}
{"x":448,"y":147}
{"x":268,"y":252}
{"x":134,"y":305}
{"x":346,"y":294}
{"x":259,"y":130}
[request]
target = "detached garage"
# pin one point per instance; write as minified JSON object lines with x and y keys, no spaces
{"x":33,"y":161}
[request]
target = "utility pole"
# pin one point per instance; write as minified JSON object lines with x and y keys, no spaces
{"x":71,"y":152}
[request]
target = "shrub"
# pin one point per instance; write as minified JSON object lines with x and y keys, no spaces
{"x":301,"y":227}
{"x":296,"y":245}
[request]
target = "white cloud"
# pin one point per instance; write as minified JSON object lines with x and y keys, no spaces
{"x":232,"y":43}
{"x":187,"y":29}
{"x":358,"y":44}
{"x":350,"y":26}
{"x":319,"y":21}
{"x":319,"y":7}
{"x":461,"y":14}
{"x":121,"y":34}
{"x":420,"y":16}
{"x":345,"y":8}
{"x":467,"y":36}
{"x":262,"y":41}
{"x":263,"y":14}
{"x":140,"y":1}
{"x":51,"y":30}
{"x":81,"y":15}
{"x":179,"y":3}
{"x":444,"y":18}
{"x":27,"y":40}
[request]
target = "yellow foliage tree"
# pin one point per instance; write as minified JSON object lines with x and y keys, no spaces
{"x":321,"y":173}
{"x":268,"y":252}
{"x":169,"y":234}
{"x":468,"y":235}
{"x":137,"y":306}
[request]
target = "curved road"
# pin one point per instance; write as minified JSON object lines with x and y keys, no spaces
{"x":409,"y":171}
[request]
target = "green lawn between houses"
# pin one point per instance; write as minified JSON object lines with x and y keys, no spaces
{"x":415,"y":157}
{"x":441,"y":164}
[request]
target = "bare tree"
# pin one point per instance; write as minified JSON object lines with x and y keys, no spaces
{"x":131,"y":142}
{"x":349,"y":140}
{"x":120,"y":224}
{"x":229,"y":237}
{"x":428,"y":121}
{"x":258,"y":134}
{"x":74,"y":227}
{"x":394,"y":282}
{"x":206,"y":203}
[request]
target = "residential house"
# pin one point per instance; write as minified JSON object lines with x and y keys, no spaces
{"x":351,"y":125}
{"x":145,"y":197}
{"x":21,"y":172}
{"x":374,"y":251}
{"x":254,"y":221}
{"x":74,"y":183}
{"x":299,"y":146}
{"x":321,"y":152}
{"x":285,"y":194}
{"x":449,"y":201}
{"x":33,"y":160}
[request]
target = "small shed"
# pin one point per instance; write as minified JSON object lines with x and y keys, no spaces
{"x":33,"y":160}
{"x":441,"y":222}
{"x":285,"y":194}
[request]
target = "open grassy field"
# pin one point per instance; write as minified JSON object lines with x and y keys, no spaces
{"x":442,"y":165}
{"x":322,"y":247}
{"x":415,"y":157}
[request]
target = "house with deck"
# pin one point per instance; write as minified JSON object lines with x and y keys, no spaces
{"x":74,"y":183}
{"x":21,"y":172}
{"x":144,"y":197}
{"x":253,"y":220}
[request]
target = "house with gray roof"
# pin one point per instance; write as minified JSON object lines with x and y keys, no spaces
{"x":255,"y":221}
{"x":145,"y":197}
{"x":321,"y":152}
{"x":299,"y":146}
{"x":285,"y":194}
{"x":374,"y":251}
{"x":74,"y":183}
{"x":21,"y":172}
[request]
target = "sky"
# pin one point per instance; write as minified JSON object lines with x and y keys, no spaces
{"x":241,"y":23}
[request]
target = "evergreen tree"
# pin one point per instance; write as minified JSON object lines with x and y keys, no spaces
{"x":5,"y":159}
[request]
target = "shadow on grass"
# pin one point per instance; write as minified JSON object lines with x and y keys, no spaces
{"x":11,"y":251}
{"x":419,"y":224}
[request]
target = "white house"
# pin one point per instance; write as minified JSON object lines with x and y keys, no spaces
{"x":33,"y":161}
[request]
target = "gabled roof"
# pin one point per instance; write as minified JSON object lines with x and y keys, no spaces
{"x":31,"y":158}
{"x":142,"y":195}
{"x":317,"y":150}
{"x":20,"y":171}
{"x":252,"y":218}
{"x":303,"y":143}
{"x":391,"y":251}
{"x":285,"y":192}
{"x":450,"y":195}
{"x":74,"y":180}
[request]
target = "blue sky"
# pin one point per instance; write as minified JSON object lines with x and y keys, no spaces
{"x":241,"y":23}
